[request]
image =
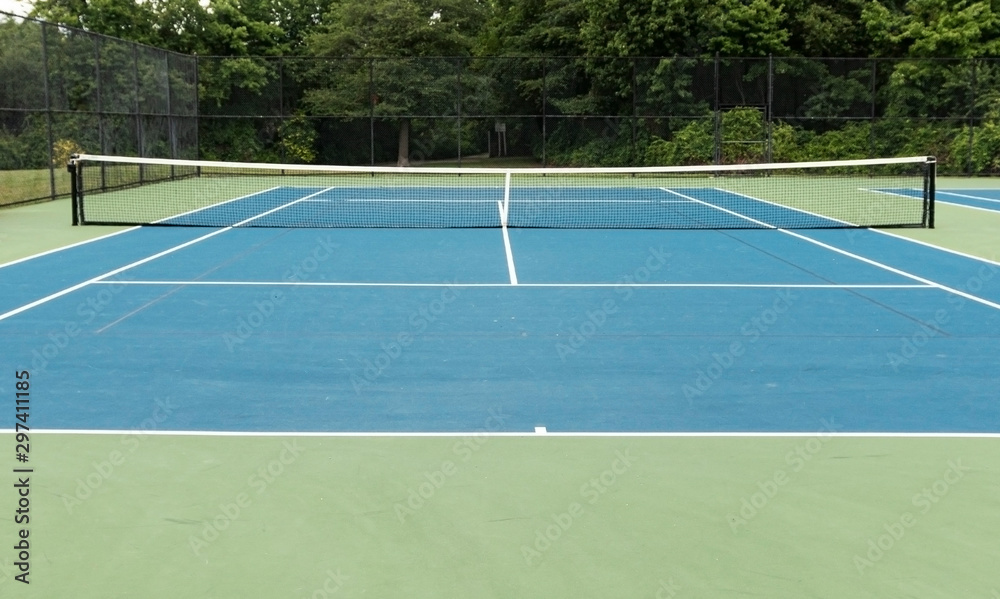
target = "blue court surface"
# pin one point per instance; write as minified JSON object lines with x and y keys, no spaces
{"x":576,"y":330}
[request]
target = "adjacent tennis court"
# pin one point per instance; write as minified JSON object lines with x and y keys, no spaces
{"x":637,"y":384}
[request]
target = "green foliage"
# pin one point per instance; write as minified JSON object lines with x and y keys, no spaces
{"x":591,"y":142}
{"x":361,"y":28}
{"x":827,"y":27}
{"x":693,"y":144}
{"x":924,"y":106}
{"x":534,"y":27}
{"x":219,"y":79}
{"x":977,"y":151}
{"x":785,"y":144}
{"x":849,"y":142}
{"x":62,"y":150}
{"x":230,"y":139}
{"x":685,"y":27}
{"x":742,"y":133}
{"x":934,"y":28}
{"x":297,"y":140}
{"x":403,"y":85}
{"x":745,"y":28}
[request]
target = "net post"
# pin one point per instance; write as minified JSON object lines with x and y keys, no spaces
{"x":74,"y":188}
{"x":930,"y":183}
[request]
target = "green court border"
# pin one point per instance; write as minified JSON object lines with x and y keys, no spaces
{"x":133,"y":515}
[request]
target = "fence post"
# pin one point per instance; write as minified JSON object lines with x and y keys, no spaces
{"x":371,"y":108}
{"x":972,"y":116}
{"x":281,"y":106}
{"x":767,"y":109}
{"x":545,"y":100}
{"x":197,"y":109}
{"x":458,"y":67}
{"x":871,"y":126}
{"x":100,"y":110}
{"x":717,"y":150}
{"x":48,"y":110}
{"x":140,"y":149}
{"x":171,"y":125}
{"x":635,"y":111}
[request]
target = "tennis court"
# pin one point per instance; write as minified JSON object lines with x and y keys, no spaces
{"x":408,"y":385}
{"x":978,"y":199}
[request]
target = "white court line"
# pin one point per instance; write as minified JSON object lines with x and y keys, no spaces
{"x":931,"y":245}
{"x":631,"y":285}
{"x":893,"y":193}
{"x":510,"y":256}
{"x":962,"y":195}
{"x":249,"y":195}
{"x":122,"y":269}
{"x":883,"y":232}
{"x":936,"y":200}
{"x":66,"y":247}
{"x":480,"y":201}
{"x":980,"y":208}
{"x":875,"y":263}
{"x":937,"y":247}
{"x":720,"y":208}
{"x":526,"y":434}
{"x":86,"y":241}
{"x":504,"y":207}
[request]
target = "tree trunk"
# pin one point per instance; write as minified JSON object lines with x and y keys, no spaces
{"x":404,"y":143}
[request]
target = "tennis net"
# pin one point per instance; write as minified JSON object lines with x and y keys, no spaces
{"x":894,"y":192}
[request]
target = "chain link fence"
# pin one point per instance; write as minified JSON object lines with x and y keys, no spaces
{"x":600,"y":111}
{"x":63,"y":90}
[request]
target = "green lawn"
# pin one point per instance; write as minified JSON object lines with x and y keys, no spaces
{"x":22,"y":185}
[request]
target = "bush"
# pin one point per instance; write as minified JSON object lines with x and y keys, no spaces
{"x":984,"y":156}
{"x":62,"y":150}
{"x":692,"y":144}
{"x":297,"y":141}
{"x":851,"y":142}
{"x":603,"y":142}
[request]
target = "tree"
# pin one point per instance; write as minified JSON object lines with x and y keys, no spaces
{"x":934,"y":29}
{"x":406,"y":30}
